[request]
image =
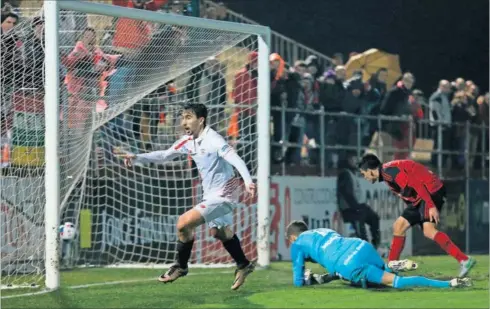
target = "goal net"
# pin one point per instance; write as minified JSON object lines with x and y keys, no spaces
{"x":123,"y":82}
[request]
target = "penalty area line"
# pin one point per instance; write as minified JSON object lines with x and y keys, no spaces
{"x":90,"y":285}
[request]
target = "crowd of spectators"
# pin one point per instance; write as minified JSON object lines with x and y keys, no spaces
{"x":308,"y":87}
{"x":323,"y":103}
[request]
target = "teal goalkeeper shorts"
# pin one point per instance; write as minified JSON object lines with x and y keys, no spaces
{"x":361,"y":263}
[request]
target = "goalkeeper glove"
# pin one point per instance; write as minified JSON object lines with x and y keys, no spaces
{"x":314,"y":279}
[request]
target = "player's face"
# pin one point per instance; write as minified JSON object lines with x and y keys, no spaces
{"x":190,"y":123}
{"x":370,"y":175}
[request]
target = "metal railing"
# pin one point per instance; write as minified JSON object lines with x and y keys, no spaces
{"x":447,"y":147}
{"x":289,"y":49}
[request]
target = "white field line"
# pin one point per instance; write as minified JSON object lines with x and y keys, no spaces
{"x":27,"y":294}
{"x":84,"y":286}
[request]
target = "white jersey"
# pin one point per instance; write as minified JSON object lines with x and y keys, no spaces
{"x":214,"y":159}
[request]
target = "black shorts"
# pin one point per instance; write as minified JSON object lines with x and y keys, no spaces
{"x":420,"y":213}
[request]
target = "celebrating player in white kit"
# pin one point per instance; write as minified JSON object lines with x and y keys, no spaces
{"x":215,"y":160}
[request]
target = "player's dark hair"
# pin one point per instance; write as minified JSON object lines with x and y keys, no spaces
{"x":200,"y":110}
{"x":295,"y":228}
{"x":369,"y":162}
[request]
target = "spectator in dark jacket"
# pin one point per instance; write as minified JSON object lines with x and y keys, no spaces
{"x":472,"y":93}
{"x":378,"y":82}
{"x":295,"y":122}
{"x":372,"y":102}
{"x":351,"y":104}
{"x":332,"y":92}
{"x":311,"y":104}
{"x":10,"y":52}
{"x":353,"y":100}
{"x":396,"y":103}
{"x":483,"y":108}
{"x":33,"y":73}
{"x":461,"y":112}
{"x":314,"y":67}
{"x":483,"y":111}
{"x":349,"y":195}
{"x":396,"y":100}
{"x":10,"y":56}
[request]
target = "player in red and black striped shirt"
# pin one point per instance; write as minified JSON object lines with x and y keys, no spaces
{"x":424,"y":193}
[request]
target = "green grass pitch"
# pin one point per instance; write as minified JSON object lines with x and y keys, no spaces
{"x":272,"y":288}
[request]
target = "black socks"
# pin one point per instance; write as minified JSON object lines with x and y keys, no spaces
{"x":235,"y":250}
{"x":184,"y":251}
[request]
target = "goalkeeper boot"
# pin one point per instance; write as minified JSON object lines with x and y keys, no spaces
{"x":241,"y":274}
{"x":461,"y":282}
{"x":466,"y":266}
{"x":173,"y":273}
{"x":402,"y":265}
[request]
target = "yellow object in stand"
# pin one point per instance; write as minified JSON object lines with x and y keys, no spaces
{"x":371,"y":61}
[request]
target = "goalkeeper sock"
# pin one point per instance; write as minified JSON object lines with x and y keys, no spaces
{"x":234,"y":248}
{"x":184,"y":250}
{"x":447,"y":245}
{"x":397,"y":245}
{"x":418,"y":281}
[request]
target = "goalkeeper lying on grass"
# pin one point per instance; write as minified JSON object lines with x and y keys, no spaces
{"x":351,"y":259}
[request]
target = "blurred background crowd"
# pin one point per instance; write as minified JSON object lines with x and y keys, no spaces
{"x":320,"y":111}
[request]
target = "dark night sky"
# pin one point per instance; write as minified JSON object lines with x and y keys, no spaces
{"x":434,"y":38}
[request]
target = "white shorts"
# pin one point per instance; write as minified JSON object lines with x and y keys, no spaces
{"x":217,"y":212}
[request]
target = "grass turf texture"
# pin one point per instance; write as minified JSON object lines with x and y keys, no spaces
{"x":272,"y":288}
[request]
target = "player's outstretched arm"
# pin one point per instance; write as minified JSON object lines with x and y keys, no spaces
{"x":298,"y":259}
{"x":160,"y":156}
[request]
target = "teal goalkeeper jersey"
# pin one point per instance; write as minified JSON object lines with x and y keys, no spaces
{"x":323,"y":246}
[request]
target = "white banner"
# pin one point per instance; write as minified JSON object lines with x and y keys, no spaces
{"x":314,"y":200}
{"x":21,"y":220}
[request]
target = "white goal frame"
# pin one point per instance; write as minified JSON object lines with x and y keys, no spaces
{"x":52,"y":100}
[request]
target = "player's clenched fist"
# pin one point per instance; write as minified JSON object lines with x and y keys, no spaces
{"x":251,"y":189}
{"x":128,"y":160}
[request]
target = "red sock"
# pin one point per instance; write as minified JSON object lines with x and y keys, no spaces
{"x":447,"y":245}
{"x":397,"y":245}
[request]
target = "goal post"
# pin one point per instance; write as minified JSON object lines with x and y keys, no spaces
{"x":53,"y":148}
{"x":51,"y":144}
